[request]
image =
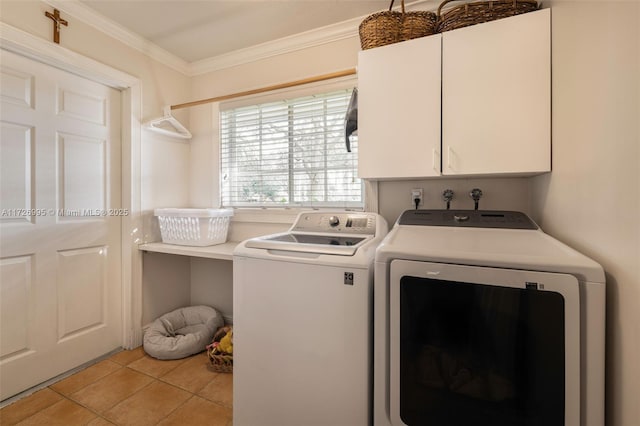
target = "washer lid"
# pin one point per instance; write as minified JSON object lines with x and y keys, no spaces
{"x":325,"y":232}
{"x":341,"y":245}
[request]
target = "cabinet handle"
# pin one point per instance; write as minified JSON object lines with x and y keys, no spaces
{"x":449,"y":155}
{"x":434,"y":157}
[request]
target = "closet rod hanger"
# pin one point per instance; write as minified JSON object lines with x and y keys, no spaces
{"x":308,"y":80}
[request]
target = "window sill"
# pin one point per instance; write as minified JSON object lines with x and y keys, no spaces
{"x":273,"y":215}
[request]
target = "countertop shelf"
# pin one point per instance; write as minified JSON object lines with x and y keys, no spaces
{"x":219,"y":251}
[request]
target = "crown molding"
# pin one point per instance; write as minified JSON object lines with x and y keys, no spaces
{"x":114,"y":30}
{"x":300,"y":41}
{"x":316,"y":37}
{"x":26,"y":44}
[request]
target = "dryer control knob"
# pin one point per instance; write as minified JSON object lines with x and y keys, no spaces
{"x":334,"y":221}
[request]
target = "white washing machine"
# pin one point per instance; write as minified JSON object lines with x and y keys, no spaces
{"x":483,"y":319}
{"x":302,"y":304}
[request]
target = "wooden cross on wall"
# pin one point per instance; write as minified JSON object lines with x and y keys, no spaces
{"x":57,"y":20}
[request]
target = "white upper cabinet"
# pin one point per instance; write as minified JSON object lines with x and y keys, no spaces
{"x":496,"y":97}
{"x":399,"y":110}
{"x":474,"y":101}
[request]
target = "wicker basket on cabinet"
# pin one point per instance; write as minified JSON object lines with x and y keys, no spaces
{"x":390,"y":26}
{"x":481,"y":11}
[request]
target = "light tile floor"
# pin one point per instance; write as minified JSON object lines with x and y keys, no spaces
{"x":131,"y":388}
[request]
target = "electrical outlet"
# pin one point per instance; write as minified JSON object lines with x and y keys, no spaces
{"x":416,"y":193}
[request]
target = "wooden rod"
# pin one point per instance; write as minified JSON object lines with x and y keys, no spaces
{"x":317,"y":78}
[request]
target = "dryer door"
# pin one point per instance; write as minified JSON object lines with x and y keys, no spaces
{"x":483,"y":346}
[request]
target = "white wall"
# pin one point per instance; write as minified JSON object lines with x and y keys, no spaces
{"x":591,"y":200}
{"x":498,"y":194}
{"x":212,"y":285}
{"x":166,"y":284}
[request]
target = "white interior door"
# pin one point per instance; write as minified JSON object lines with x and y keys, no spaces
{"x":60,"y":222}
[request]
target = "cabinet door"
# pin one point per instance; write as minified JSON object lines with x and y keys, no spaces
{"x":399,"y":109}
{"x":496,"y":97}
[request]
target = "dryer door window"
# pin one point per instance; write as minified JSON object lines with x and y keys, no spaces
{"x":472,"y":352}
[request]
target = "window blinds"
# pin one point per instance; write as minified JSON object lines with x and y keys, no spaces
{"x":289,"y":153}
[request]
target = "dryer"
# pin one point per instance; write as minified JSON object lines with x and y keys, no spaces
{"x":303,"y":315}
{"x":481,"y":318}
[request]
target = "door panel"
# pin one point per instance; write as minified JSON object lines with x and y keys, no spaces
{"x":15,"y":302}
{"x":17,"y":87}
{"x":81,"y":106}
{"x":81,"y":276}
{"x":81,"y":183}
{"x":60,"y":241}
{"x":16,"y":154}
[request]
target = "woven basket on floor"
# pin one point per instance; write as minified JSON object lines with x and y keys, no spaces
{"x":389,"y":27}
{"x":218,"y":361}
{"x":481,"y":11}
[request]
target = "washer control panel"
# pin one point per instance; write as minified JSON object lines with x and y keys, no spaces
{"x":468,"y":218}
{"x":336,"y":222}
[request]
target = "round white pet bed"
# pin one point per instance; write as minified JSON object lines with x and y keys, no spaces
{"x":183,"y":332}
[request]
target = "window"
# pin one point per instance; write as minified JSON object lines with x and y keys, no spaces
{"x":289,"y":153}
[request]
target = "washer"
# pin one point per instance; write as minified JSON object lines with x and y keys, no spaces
{"x":302,"y":303}
{"x":482,"y":318}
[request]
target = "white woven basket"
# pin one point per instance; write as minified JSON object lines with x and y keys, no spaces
{"x":194,"y":227}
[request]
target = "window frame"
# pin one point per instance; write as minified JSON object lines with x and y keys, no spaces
{"x":250,"y":212}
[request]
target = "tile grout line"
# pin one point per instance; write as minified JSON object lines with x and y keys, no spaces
{"x":57,"y":402}
{"x":179,"y":406}
{"x":154,"y":379}
{"x":52,"y":381}
{"x":119,"y":402}
{"x":183,"y":389}
{"x":66,"y":397}
{"x":70,"y":398}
